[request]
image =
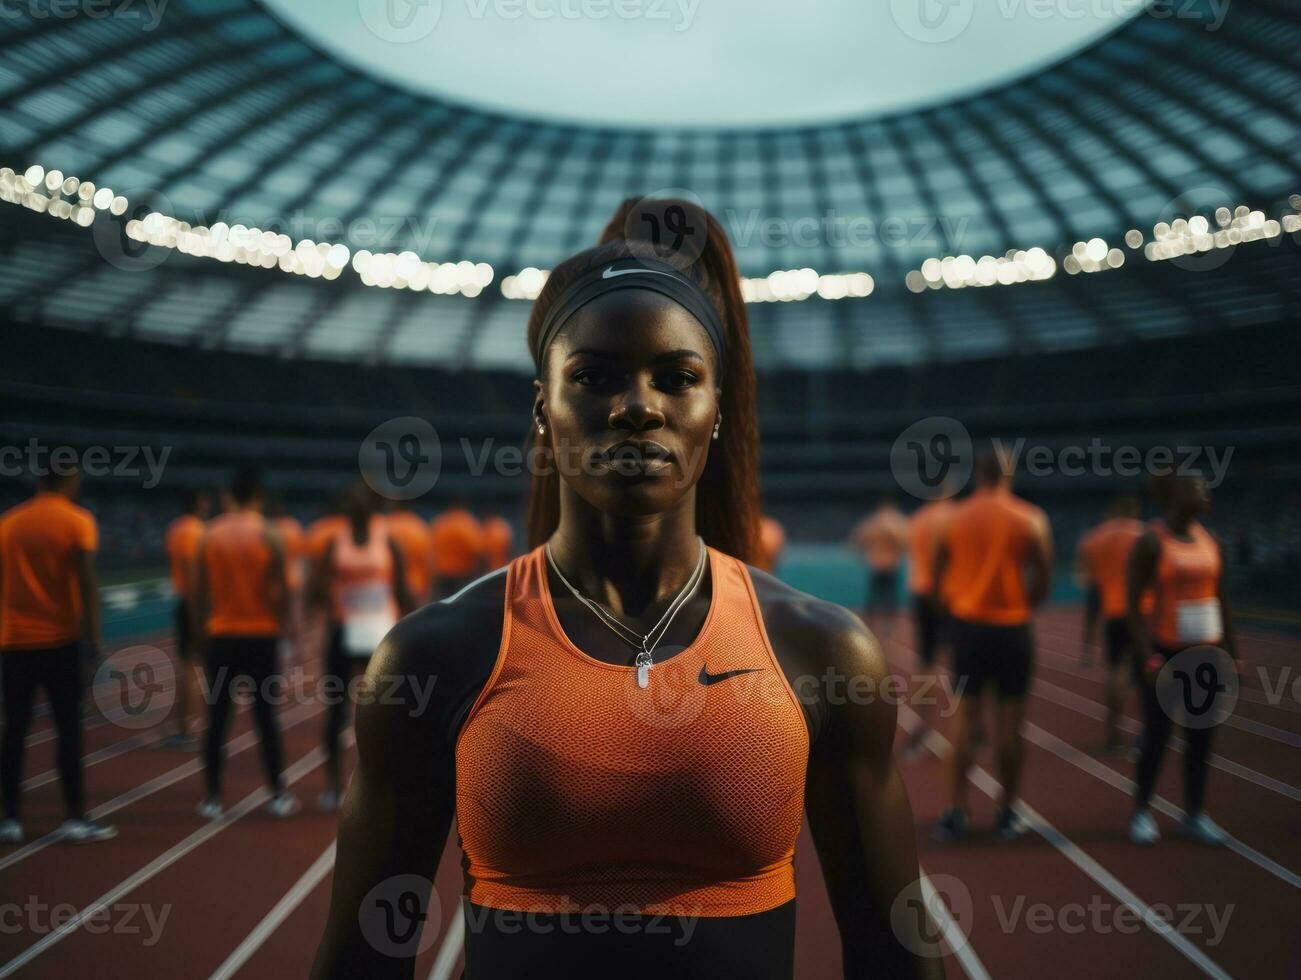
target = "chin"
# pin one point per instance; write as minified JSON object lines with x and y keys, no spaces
{"x":636,"y":496}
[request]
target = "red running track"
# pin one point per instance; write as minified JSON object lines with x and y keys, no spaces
{"x":246,"y":897}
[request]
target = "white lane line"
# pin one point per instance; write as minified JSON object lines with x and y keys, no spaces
{"x":450,"y":950}
{"x":302,"y":767}
{"x":954,"y":937}
{"x":1069,"y":699}
{"x":276,"y":917}
{"x":110,"y":751}
{"x":1086,"y":763}
{"x":988,"y":785}
{"x":234,"y":746}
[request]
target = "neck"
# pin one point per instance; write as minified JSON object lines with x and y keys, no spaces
{"x":1179,"y":522}
{"x":626,"y":563}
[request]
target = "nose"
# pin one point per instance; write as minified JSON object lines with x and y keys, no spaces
{"x":637,"y":409}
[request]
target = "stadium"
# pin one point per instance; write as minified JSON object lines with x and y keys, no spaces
{"x":249,"y":235}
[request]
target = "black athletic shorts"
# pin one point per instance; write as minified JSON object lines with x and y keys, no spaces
{"x":987,"y":654}
{"x":883,"y":589}
{"x":930,"y":629}
{"x":1118,"y":641}
{"x":184,"y":646}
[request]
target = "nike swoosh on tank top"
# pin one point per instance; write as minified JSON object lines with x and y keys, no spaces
{"x":575,"y":789}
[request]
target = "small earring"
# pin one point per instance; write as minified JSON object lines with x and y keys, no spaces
{"x":716,"y":425}
{"x":542,"y":429}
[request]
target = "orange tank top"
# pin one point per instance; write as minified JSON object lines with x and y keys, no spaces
{"x":237,"y":561}
{"x":361,"y":576}
{"x":988,"y":540}
{"x":576,"y":789}
{"x":1186,"y":610}
{"x":1105,"y":553}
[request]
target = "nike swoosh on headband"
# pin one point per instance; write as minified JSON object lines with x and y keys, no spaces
{"x":707,"y":678}
{"x":611,"y":272}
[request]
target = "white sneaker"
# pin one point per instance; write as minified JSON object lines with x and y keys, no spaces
{"x":1203,"y":829}
{"x":1143,"y":830}
{"x":210,"y":809}
{"x":86,"y":831}
{"x":11,"y":832}
{"x":328,"y":801}
{"x":284,"y":804}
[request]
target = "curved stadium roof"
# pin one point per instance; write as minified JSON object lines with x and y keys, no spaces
{"x":222,"y":113}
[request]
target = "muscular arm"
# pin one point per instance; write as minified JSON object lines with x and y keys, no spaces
{"x":398,"y":807}
{"x":858,"y":810}
{"x":1140,"y":573}
{"x":89,"y":590}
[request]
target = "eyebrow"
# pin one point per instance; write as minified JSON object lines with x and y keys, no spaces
{"x":672,"y":355}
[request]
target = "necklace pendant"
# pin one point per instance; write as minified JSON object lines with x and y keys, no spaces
{"x":643,"y":675}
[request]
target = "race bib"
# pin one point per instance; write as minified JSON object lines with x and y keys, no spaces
{"x":367,"y":617}
{"x":1198,"y":621}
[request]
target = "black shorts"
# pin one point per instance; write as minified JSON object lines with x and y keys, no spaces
{"x":930,"y":629}
{"x":984,"y":653}
{"x":883,"y":589}
{"x":1119,"y":643}
{"x":184,"y":641}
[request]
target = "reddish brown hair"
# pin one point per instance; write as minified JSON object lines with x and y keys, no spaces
{"x":727,"y":496}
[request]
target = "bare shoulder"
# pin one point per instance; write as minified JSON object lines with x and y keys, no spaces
{"x":814,"y":633}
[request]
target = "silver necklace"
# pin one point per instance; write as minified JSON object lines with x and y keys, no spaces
{"x":644,"y":644}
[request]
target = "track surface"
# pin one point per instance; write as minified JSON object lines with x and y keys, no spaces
{"x":246,"y":897}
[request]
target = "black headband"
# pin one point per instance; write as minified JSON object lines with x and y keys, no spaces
{"x":634,"y":273}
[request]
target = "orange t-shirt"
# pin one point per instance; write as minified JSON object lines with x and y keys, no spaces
{"x":882,"y":537}
{"x":772,"y":538}
{"x":923,"y":528}
{"x":457,"y":541}
{"x":40,"y":600}
{"x":498,"y":540}
{"x":1186,"y":608}
{"x":411,"y":536}
{"x":1104,"y":554}
{"x":236,"y":558}
{"x":182,"y":540}
{"x":989,"y":539}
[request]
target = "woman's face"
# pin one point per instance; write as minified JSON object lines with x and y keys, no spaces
{"x":630,"y":397}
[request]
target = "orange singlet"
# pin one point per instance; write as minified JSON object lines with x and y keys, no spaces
{"x":576,"y":789}
{"x":182,"y":541}
{"x":237,"y":561}
{"x":411,"y":535}
{"x":988,"y":538}
{"x":923,"y":527}
{"x":1186,"y":607}
{"x":361,"y":576}
{"x":1105,"y":555}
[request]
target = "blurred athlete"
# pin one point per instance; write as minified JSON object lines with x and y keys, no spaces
{"x":772,"y":539}
{"x":994,"y":563}
{"x":928,"y":611}
{"x":411,"y":535}
{"x":293,"y":541}
{"x":1183,"y":567}
{"x":241,"y":607}
{"x":1103,"y":558}
{"x":547,"y":734}
{"x":498,"y":541}
{"x":49,"y":620}
{"x":457,"y":541}
{"x":360,"y":579}
{"x":882,"y":538}
{"x":182,"y":542}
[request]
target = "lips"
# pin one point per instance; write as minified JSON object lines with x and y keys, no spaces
{"x":633,"y":458}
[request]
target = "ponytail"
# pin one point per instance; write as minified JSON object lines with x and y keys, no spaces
{"x":727,"y":496}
